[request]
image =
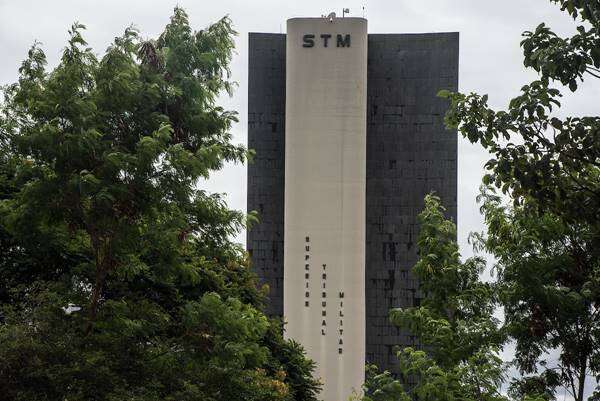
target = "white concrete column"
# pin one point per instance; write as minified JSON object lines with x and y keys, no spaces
{"x":324,"y":235}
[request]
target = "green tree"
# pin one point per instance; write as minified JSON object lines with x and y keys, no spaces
{"x":547,"y":243}
{"x":537,"y":156}
{"x":454,"y":323}
{"x":548,"y":286}
{"x":118,"y":278}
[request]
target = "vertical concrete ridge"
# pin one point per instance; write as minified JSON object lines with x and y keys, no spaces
{"x":324,"y":249}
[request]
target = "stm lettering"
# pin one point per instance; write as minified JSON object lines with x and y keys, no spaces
{"x":343,"y":42}
{"x":325,"y":38}
{"x":308,"y":40}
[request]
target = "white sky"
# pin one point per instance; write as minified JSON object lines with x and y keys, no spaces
{"x":490,"y":57}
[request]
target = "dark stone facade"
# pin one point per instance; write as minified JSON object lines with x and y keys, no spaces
{"x":409,"y":154}
{"x":266,"y":135}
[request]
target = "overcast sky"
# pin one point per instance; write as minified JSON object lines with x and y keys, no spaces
{"x":490,"y":57}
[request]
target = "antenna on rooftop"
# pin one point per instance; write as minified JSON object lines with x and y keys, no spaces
{"x":345,"y":11}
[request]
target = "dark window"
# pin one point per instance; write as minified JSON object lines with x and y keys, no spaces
{"x":389,"y":251}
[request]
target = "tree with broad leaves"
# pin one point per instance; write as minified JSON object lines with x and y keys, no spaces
{"x":454,"y":323}
{"x":548,"y":243}
{"x":555,"y":162}
{"x":548,"y":283}
{"x":118,"y":278}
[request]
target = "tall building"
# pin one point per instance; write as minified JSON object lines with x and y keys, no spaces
{"x":349,"y":138}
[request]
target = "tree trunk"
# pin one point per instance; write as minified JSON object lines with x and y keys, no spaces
{"x":581,"y":380}
{"x":103,"y":265}
{"x":96,"y":292}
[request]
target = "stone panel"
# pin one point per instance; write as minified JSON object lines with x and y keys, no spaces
{"x":266,"y":135}
{"x":409,"y":154}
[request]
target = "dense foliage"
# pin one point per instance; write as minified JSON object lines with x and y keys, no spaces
{"x":539,"y":157}
{"x":118,"y":279}
{"x":454,"y":323}
{"x":546,"y":242}
{"x":549,"y":287}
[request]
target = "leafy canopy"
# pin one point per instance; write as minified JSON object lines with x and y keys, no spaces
{"x":454,"y":324}
{"x":547,"y":244}
{"x":118,"y":279}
